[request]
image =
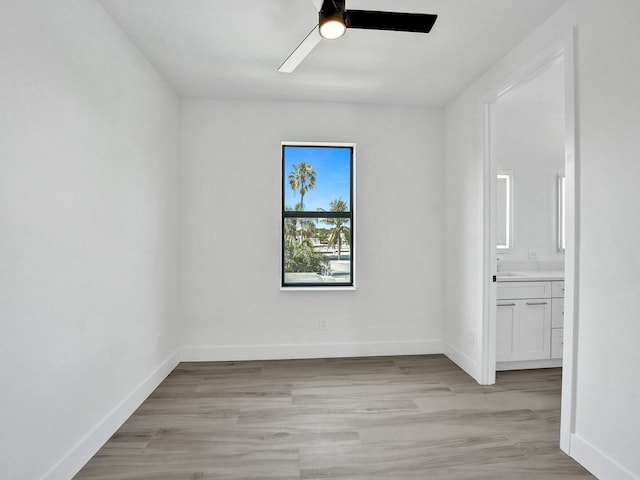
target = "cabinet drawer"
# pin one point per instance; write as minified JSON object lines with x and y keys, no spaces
{"x":557,"y":336}
{"x":514,"y":290}
{"x":557,"y":312}
{"x":557,"y":289}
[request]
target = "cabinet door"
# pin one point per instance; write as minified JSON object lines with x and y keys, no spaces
{"x":534,"y":329}
{"x":556,"y":342}
{"x":507,"y":332}
{"x":557,"y":312}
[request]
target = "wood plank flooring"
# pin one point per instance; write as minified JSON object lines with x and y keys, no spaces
{"x":391,"y":418}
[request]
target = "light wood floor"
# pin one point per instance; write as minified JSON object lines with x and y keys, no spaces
{"x":391,"y":418}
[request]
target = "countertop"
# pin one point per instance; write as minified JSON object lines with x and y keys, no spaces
{"x":530,"y":276}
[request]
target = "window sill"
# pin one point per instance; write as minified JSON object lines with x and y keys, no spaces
{"x":315,"y":289}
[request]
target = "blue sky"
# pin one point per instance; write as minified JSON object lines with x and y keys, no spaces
{"x":332,"y":167}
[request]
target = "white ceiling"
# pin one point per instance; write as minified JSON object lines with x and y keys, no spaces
{"x":232,"y":48}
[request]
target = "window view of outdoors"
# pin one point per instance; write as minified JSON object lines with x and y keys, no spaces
{"x":317,"y":215}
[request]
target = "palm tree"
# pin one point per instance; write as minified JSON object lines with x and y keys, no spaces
{"x":290,"y":228}
{"x":339,"y":226}
{"x":305,"y":227}
{"x":302,"y":179}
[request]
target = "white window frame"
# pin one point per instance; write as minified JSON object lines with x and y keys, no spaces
{"x":353,"y":249}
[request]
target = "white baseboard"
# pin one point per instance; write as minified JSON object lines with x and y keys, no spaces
{"x":86,"y":448}
{"x":314,"y":350}
{"x":526,"y":364}
{"x":466,"y":363}
{"x":597,"y":462}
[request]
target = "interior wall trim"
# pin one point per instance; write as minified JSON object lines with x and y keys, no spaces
{"x":561,"y":48}
{"x":597,"y":462}
{"x":465,"y":362}
{"x":81,"y":453}
{"x":313,"y":350}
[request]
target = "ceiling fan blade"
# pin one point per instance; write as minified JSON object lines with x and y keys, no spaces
{"x":401,"y":22}
{"x":301,"y":51}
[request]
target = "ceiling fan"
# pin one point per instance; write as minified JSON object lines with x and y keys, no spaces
{"x":334,"y":19}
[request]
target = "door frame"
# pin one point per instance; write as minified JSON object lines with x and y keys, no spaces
{"x":560,"y":50}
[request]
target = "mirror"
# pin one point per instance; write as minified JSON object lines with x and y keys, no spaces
{"x":504,"y":227}
{"x":561,"y":212}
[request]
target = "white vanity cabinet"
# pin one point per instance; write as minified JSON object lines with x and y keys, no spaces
{"x":523,"y":324}
{"x":529,"y":324}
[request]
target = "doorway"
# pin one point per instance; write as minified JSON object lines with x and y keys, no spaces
{"x":556,"y":58}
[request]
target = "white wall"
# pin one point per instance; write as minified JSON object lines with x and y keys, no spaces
{"x":463,"y":190}
{"x":606,"y":432}
{"x":88,"y":160}
{"x":608,"y":382}
{"x":231,"y":303}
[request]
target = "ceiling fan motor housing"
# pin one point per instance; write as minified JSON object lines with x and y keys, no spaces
{"x":332,"y":9}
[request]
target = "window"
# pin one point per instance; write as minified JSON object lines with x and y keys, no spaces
{"x":318,"y":215}
{"x":504,"y":223}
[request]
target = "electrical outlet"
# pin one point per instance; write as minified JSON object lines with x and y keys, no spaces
{"x":533,"y":255}
{"x":322,"y":324}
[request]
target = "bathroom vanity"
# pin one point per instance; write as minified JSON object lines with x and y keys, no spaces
{"x":530,"y":320}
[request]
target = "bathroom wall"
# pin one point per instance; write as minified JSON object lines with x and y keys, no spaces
{"x":528,"y":127}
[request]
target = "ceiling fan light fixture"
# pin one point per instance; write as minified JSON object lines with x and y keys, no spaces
{"x":334,"y":19}
{"x":332,"y":28}
{"x":331,"y":19}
